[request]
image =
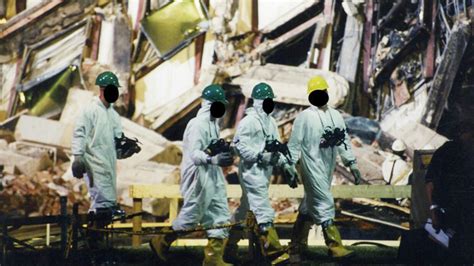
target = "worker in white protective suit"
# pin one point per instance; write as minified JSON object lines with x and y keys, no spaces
{"x":93,"y":144}
{"x":96,"y":146}
{"x":253,"y":134}
{"x":318,"y":135}
{"x":202,"y":181}
{"x":395,"y":169}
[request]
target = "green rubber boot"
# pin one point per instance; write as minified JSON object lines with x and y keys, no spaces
{"x":334,"y":243}
{"x":214,"y":252}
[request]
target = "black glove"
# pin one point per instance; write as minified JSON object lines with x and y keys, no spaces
{"x":78,"y":167}
{"x":290,"y":175}
{"x":222,"y":159}
{"x":356,"y":174}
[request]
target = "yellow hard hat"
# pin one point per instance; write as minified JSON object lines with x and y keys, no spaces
{"x":317,"y":83}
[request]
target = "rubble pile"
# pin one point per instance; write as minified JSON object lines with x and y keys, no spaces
{"x":38,"y":195}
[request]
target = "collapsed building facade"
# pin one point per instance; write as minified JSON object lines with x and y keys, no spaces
{"x":397,"y":69}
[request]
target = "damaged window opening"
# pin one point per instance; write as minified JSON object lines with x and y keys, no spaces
{"x":48,"y":98}
{"x":299,"y":19}
{"x":293,"y":52}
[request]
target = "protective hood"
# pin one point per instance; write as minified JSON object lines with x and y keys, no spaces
{"x":213,"y":109}
{"x":257,"y":111}
{"x":97,"y":101}
{"x":205,"y":108}
{"x":315,"y":108}
{"x":258,"y":106}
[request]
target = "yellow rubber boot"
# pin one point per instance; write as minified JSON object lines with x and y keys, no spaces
{"x":231,"y":250}
{"x":334,"y":243}
{"x":270,"y":243}
{"x":160,"y":245}
{"x":214,"y":252}
{"x":299,"y":238}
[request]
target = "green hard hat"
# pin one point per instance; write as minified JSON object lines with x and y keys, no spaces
{"x":262,"y":91}
{"x":107,"y":78}
{"x":214,"y":93}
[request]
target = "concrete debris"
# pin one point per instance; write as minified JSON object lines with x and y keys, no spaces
{"x":444,"y":79}
{"x":351,"y":7}
{"x":350,"y":52}
{"x":287,"y":82}
{"x":172,"y":154}
{"x":418,"y":137}
{"x":369,"y":159}
{"x":44,"y":131}
{"x":147,"y":172}
{"x":22,"y":164}
{"x":74,"y":104}
{"x":366,"y":129}
{"x":39,"y":193}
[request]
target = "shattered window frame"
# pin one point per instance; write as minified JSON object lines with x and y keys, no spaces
{"x":31,"y":49}
{"x":72,"y":68}
{"x":184,"y":42}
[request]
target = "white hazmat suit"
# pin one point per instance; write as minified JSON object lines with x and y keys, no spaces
{"x":318,"y":164}
{"x":202,"y":184}
{"x":94,"y":139}
{"x":252,"y":133}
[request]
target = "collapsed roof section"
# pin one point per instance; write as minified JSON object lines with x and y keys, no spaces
{"x":289,"y":83}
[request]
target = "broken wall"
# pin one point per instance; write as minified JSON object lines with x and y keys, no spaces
{"x":166,"y":82}
{"x":66,"y":14}
{"x":15,"y":38}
